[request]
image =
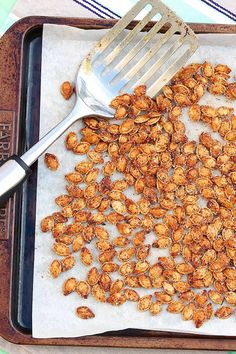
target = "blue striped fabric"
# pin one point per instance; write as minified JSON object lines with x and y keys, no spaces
{"x":97,"y":9}
{"x":208,"y":11}
{"x":106,"y":8}
{"x":220,"y":9}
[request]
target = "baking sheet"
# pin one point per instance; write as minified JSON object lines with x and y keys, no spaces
{"x":54,"y":313}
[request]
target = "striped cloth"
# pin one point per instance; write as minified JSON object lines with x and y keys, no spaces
{"x":208,"y":11}
{"x":200,"y":11}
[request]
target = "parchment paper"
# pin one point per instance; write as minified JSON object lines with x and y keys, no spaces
{"x":53,"y":313}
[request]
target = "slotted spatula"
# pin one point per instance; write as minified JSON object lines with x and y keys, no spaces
{"x":119,"y":62}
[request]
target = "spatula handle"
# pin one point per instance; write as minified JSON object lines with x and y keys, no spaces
{"x":13,"y":172}
{"x":16,"y":169}
{"x":79,"y":111}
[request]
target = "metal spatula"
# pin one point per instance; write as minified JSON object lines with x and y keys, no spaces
{"x":119,"y":62}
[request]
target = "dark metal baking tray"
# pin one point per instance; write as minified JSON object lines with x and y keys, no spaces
{"x":20,"y":55}
{"x":23,"y":250}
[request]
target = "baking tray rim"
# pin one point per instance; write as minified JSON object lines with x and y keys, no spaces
{"x":90,"y":23}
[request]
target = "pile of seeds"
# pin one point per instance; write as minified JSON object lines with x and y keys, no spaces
{"x":184,"y":194}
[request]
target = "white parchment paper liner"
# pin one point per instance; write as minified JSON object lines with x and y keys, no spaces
{"x":53,"y":313}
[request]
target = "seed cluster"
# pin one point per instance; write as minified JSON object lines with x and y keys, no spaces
{"x":185,"y":195}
